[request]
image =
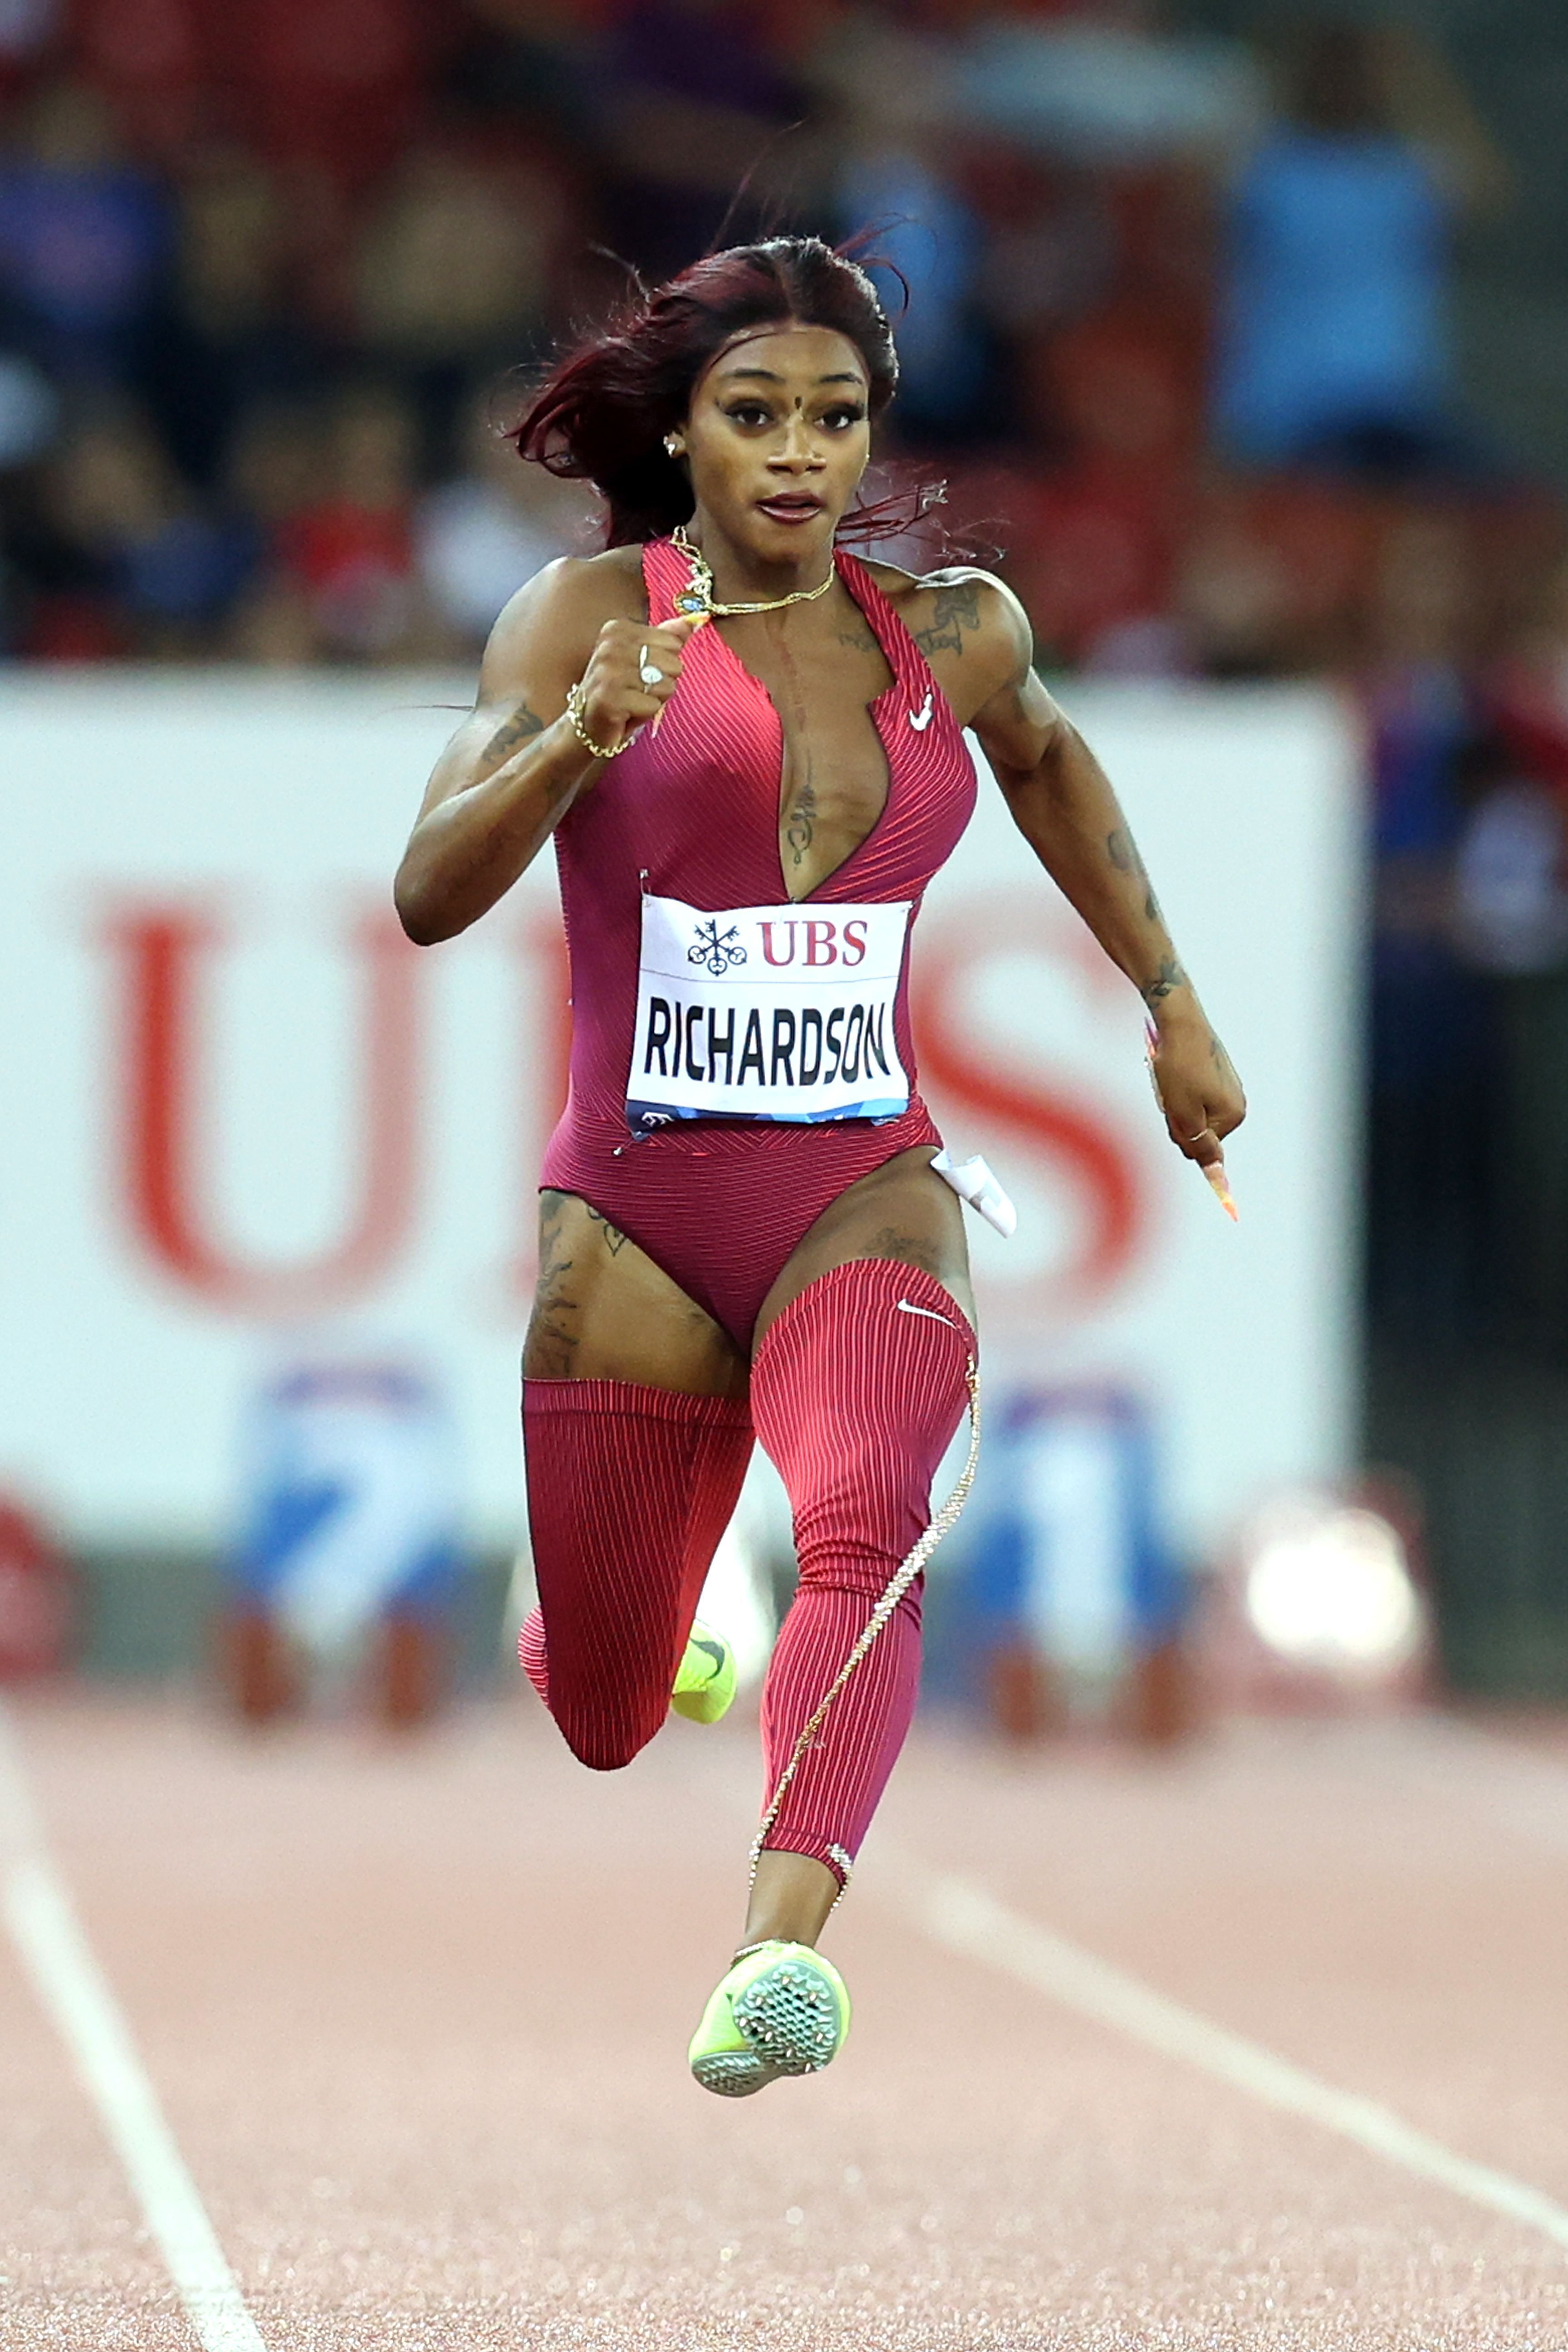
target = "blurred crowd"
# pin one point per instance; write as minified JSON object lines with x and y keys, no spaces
{"x":271,"y":279}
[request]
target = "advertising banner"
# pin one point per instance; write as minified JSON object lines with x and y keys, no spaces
{"x":243,"y":1116}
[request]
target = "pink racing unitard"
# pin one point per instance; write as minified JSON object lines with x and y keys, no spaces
{"x":672,"y":885}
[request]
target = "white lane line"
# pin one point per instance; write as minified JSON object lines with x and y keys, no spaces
{"x":967,"y":1920}
{"x":73,"y":1989}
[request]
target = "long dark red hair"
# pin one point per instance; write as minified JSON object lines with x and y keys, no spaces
{"x":602,"y":413}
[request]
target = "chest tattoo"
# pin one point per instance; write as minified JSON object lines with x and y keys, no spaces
{"x":801,"y":829}
{"x":800,"y":824}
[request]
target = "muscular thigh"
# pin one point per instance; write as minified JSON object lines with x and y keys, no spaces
{"x":901,"y":1210}
{"x":604,"y":1311}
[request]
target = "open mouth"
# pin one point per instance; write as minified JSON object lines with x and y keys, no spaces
{"x":790,"y":509}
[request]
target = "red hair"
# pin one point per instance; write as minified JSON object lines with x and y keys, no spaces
{"x":602,"y":413}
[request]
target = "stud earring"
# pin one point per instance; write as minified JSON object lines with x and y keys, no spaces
{"x":672,"y":443}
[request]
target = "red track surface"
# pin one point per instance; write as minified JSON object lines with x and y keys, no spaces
{"x":418,"y":2016}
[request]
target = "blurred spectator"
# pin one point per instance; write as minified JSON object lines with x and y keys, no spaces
{"x":1511,"y":922}
{"x":349,"y":550}
{"x":277,"y":465}
{"x":894,"y":180}
{"x":1050,"y":245}
{"x":26,"y":28}
{"x":1434,"y":1043}
{"x":1106,"y":84}
{"x":1273,"y":576}
{"x":149,"y":58}
{"x":337,"y":85}
{"x":1232,"y":600}
{"x":480,"y":536}
{"x":29,"y":412}
{"x":1511,"y":871}
{"x":693,"y":95}
{"x":228,"y":333}
{"x":83,"y":235}
{"x":1418,"y":695}
{"x":1334,"y":345}
{"x":1527,"y":689}
{"x":120,"y":558}
{"x":30,"y":417}
{"x":537,"y":60}
{"x":454,"y":273}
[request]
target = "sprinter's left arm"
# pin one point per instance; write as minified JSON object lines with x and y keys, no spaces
{"x":1062,"y":802}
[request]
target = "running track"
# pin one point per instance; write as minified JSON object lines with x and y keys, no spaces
{"x":415,"y":2016}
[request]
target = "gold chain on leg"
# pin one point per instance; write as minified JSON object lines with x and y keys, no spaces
{"x":899,"y":1584}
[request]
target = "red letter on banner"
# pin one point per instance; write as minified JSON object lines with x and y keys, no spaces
{"x":161,"y":1119}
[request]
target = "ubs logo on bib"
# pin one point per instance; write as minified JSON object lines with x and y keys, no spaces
{"x":719,"y":951}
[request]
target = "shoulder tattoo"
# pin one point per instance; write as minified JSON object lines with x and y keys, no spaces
{"x":954,"y":608}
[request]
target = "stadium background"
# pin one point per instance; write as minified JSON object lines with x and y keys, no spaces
{"x":267,"y":280}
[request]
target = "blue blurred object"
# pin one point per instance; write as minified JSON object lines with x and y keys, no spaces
{"x":931,"y":239}
{"x":351,"y":1509}
{"x":1069,"y":1560}
{"x":1332,"y":321}
{"x":1108,"y":94}
{"x":80,"y":249}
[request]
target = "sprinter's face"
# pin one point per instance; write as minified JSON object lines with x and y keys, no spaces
{"x":777,"y":438}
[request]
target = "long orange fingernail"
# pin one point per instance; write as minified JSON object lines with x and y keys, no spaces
{"x":1219,"y":1185}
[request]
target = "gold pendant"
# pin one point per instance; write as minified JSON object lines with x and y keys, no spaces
{"x":696,"y":599}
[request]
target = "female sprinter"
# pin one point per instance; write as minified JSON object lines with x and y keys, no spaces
{"x":748,"y":747}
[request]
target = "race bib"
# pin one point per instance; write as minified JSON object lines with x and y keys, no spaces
{"x":780,"y":1013}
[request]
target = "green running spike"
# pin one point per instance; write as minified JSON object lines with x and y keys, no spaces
{"x":782,"y":2010}
{"x":705,"y":1685}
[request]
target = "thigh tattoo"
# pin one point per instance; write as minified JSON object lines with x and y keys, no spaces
{"x":556,"y":1309}
{"x":909,"y":1249}
{"x":615,"y":1240}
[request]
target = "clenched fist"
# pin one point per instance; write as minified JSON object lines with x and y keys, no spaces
{"x":1199,"y":1091}
{"x":632,"y":672}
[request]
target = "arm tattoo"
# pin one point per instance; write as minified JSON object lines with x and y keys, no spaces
{"x":1169,"y":976}
{"x":1122,"y":852}
{"x":953,"y":610}
{"x":801,"y":829}
{"x":523,"y":724}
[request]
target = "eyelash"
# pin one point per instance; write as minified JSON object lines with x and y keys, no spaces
{"x":746,"y":411}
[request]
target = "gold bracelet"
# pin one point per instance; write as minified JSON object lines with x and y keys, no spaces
{"x":574,"y":713}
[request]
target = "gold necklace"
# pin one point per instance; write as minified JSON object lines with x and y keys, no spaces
{"x":696,"y":599}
